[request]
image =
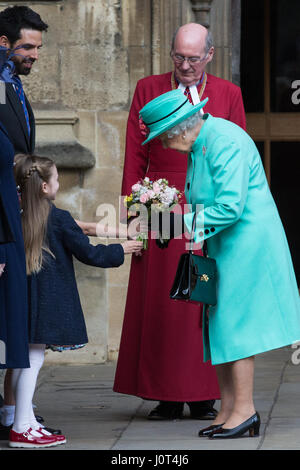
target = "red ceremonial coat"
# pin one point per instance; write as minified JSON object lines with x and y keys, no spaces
{"x":161,"y":350}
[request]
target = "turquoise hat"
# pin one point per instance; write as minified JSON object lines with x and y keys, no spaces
{"x":167,"y":110}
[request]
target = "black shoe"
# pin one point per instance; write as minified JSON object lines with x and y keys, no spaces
{"x":202,"y":409}
{"x":39,"y":419}
{"x":207,"y":431}
{"x":252,"y":425}
{"x":4,"y":432}
{"x":167,"y":410}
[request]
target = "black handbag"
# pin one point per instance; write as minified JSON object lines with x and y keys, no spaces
{"x":196,"y":276}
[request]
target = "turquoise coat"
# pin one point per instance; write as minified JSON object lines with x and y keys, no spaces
{"x":258,"y":306}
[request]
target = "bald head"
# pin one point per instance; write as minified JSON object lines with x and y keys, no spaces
{"x":193,"y":33}
{"x":191,"y":40}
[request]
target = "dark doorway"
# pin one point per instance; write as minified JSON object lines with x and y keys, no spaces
{"x":270,"y":73}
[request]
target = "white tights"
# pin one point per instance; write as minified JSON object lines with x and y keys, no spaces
{"x":24,"y":383}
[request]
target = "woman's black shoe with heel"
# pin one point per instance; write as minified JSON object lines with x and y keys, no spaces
{"x":252,"y":425}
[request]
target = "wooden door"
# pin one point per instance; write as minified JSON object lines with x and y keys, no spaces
{"x":270,"y":82}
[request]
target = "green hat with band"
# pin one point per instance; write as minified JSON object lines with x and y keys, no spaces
{"x":166,"y":111}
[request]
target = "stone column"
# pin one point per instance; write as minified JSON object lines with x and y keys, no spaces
{"x":201,"y":10}
{"x":220,"y":27}
{"x":167,"y":16}
{"x":136,"y":35}
{"x":236,"y":40}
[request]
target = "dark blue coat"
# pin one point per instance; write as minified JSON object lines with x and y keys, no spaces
{"x":13,"y":285}
{"x":55,"y":313}
{"x":13,"y":118}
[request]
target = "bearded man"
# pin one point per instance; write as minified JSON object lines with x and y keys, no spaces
{"x":21,"y":34}
{"x":20,"y":41}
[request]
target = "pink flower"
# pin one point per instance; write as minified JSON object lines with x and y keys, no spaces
{"x":156,"y":187}
{"x":144,"y":198}
{"x":136,"y":187}
{"x":143,"y":128}
{"x":150,"y":193}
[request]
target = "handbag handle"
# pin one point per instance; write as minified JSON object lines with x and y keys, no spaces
{"x":204,"y":248}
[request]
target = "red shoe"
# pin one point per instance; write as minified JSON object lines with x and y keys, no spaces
{"x":59,"y":437}
{"x":31,"y":438}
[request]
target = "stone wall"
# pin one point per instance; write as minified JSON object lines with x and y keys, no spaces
{"x":81,"y":89}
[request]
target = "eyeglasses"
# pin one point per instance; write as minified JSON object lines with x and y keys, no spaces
{"x":179,"y":59}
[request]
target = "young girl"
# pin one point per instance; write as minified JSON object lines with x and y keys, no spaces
{"x":51,"y":238}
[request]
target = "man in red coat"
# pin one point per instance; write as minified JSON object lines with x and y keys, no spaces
{"x":161,"y":351}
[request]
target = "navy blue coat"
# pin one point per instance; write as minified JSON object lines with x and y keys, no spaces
{"x":13,"y":284}
{"x":55,"y":313}
{"x":13,"y":118}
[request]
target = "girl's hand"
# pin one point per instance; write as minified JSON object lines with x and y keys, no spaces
{"x":136,"y":226}
{"x":132,"y":246}
{"x":88,"y":228}
{"x":2,"y":266}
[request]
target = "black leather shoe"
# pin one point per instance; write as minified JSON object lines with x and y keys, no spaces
{"x":39,"y":419}
{"x":252,"y":425}
{"x":207,"y":431}
{"x":4,"y":432}
{"x":167,"y":410}
{"x":202,"y":409}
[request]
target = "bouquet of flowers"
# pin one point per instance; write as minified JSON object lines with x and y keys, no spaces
{"x":153,"y":195}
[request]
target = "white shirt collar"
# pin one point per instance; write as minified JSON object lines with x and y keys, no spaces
{"x":193,"y":91}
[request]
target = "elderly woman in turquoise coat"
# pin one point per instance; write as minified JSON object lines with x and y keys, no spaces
{"x":258,"y":307}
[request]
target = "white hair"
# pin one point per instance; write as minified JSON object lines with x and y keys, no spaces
{"x":185,"y":125}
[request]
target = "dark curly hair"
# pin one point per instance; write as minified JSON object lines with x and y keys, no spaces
{"x":13,"y":19}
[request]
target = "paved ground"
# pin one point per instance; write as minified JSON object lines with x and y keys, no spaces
{"x":80,"y":401}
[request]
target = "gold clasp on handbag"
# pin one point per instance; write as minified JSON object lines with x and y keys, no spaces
{"x":204,"y":277}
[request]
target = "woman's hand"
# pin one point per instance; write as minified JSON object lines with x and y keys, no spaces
{"x":132,"y":246}
{"x":2,"y":266}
